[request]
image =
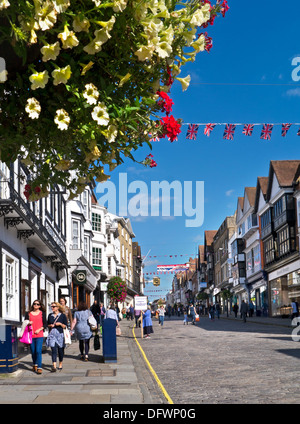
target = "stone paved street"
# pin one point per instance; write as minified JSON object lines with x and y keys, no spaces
{"x":225,"y":361}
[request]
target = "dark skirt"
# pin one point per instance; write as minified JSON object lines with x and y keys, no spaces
{"x":148,"y":330}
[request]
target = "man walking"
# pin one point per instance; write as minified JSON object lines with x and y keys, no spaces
{"x":244,"y":310}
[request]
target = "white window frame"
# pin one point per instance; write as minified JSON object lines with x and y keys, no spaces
{"x":10,"y":287}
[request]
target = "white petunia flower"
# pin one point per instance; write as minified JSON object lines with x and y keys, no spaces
{"x":68,"y":39}
{"x":61,"y":75}
{"x":119,"y":5}
{"x":39,"y":80}
{"x":185,"y":82}
{"x":112,"y":133}
{"x":91,"y":94}
{"x":62,"y":119}
{"x":4,"y":4}
{"x":100,"y":114}
{"x":201,"y":16}
{"x":46,"y":15}
{"x":81,"y":24}
{"x":61,"y":5}
{"x":33,"y":108}
{"x":144,"y":53}
{"x":50,"y":51}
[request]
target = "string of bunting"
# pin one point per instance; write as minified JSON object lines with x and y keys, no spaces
{"x":229,"y":131}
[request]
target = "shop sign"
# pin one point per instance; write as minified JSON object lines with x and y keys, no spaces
{"x":103,"y":287}
{"x":79,"y":276}
{"x":295,"y":266}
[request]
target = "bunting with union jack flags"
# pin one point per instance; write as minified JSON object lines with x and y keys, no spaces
{"x":266,"y":132}
{"x":285,"y":128}
{"x":192,"y":132}
{"x":248,"y":129}
{"x":208,"y":129}
{"x":229,"y":132}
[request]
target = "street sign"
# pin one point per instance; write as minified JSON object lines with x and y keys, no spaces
{"x":140,"y":303}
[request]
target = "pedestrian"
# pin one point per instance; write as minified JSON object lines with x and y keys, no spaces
{"x":218,"y":309}
{"x":66,"y":310}
{"x":82,"y":329}
{"x":211,"y":311}
{"x":244,"y":310}
{"x":95,"y":309}
{"x":161,"y":313}
{"x":137,"y":314}
{"x":251,"y":308}
{"x":131,"y":311}
{"x":185,"y":317}
{"x":102,"y":313}
{"x":147,"y":323}
{"x":128,"y":313}
{"x":192,"y":311}
{"x":37,"y":319}
{"x":235,"y":309}
{"x":295,"y":309}
{"x":111,"y":313}
{"x":57,"y":321}
{"x":169,"y":311}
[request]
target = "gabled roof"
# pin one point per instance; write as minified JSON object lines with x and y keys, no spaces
{"x":209,"y":237}
{"x":250,"y":192}
{"x":261,"y":186}
{"x":285,"y":171}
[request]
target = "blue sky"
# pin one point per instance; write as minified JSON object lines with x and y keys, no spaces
{"x":246,"y":78}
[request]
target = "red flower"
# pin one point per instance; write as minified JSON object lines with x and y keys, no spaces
{"x":170,"y":80}
{"x":153,"y":163}
{"x":224,"y":8}
{"x":166,"y":102}
{"x":37,"y":189}
{"x":170,"y":127}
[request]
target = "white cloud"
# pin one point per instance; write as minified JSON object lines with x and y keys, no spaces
{"x":229,"y":192}
{"x":294,"y":92}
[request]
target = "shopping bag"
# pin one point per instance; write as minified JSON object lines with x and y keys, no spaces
{"x":118,"y":331}
{"x":96,"y":342}
{"x":92,"y":323}
{"x":27,"y":335}
{"x":67,"y":336}
{"x":197,"y":318}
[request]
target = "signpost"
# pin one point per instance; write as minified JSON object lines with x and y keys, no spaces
{"x":140,"y":304}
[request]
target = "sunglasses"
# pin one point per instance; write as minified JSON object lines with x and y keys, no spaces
{"x":54,"y":306}
{"x":38,"y":304}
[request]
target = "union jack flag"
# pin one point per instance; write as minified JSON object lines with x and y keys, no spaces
{"x":285,"y":128}
{"x":155,"y":138}
{"x":208,"y":129}
{"x":248,"y":129}
{"x":192,"y":132}
{"x":229,"y":132}
{"x":266,"y":132}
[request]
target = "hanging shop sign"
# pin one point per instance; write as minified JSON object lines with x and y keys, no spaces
{"x":79,"y":276}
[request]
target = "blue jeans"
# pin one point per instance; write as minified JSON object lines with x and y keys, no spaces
{"x":36,"y":351}
{"x":161,"y":320}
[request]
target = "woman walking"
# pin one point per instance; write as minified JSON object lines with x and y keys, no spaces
{"x":82,"y":329}
{"x":37,"y":319}
{"x":57,"y":322}
{"x":147,"y":323}
{"x":66,"y":310}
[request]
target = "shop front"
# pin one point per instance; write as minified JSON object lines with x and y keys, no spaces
{"x":258,"y":290}
{"x":284,"y":286}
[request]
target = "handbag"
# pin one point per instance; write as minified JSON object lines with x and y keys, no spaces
{"x":97,"y":342}
{"x":92,"y":322}
{"x":27,"y":335}
{"x":118,"y":331}
{"x":67,"y":336}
